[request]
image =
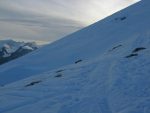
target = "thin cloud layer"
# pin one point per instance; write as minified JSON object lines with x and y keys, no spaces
{"x":49,"y":20}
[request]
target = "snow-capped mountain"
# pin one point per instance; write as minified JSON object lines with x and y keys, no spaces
{"x":10,"y":49}
{"x":103,"y":68}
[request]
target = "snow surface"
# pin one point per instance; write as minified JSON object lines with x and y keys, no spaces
{"x":86,"y":44}
{"x":28,"y":47}
{"x":104,"y":68}
{"x":108,"y":84}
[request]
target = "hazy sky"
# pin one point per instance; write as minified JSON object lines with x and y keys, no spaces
{"x":48,"y":20}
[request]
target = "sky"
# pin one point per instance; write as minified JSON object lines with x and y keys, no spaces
{"x":45,"y":21}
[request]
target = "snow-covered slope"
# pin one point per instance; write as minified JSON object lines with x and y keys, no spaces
{"x":103,"y":68}
{"x":86,"y":44}
{"x":116,"y":82}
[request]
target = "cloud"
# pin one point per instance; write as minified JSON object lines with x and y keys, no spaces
{"x":49,"y":20}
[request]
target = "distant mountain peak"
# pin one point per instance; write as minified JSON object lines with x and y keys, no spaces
{"x":10,"y":49}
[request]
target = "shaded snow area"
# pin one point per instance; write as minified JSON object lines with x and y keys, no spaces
{"x":111,"y":83}
{"x":104,"y":68}
{"x":85,"y":45}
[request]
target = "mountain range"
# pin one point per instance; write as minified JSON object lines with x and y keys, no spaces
{"x":10,"y":49}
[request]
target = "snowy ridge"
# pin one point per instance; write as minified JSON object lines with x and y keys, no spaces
{"x":10,"y":49}
{"x":12,"y":46}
